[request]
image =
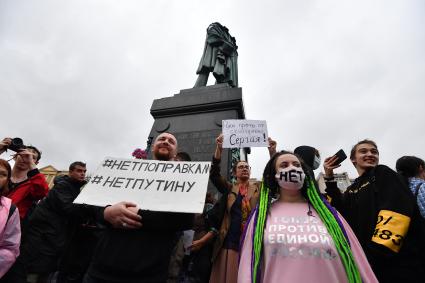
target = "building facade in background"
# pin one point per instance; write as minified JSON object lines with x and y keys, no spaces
{"x":50,"y":173}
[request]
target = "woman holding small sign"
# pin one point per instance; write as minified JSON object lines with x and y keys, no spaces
{"x":239,"y":198}
{"x":298,"y":237}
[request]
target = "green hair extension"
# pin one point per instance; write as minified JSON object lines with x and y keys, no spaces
{"x":341,"y":244}
{"x":334,"y":230}
{"x":259,"y":230}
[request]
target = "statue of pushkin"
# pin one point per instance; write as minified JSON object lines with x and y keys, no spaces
{"x":220,"y":57}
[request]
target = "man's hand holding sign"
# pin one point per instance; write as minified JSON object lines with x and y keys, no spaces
{"x":123,"y":215}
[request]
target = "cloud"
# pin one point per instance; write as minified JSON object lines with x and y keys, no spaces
{"x":78,"y":77}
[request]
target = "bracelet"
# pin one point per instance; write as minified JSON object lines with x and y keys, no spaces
{"x":329,"y":178}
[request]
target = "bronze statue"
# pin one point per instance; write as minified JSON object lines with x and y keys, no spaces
{"x":220,"y":57}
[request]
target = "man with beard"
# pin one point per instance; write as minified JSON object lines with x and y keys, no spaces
{"x":138,"y":246}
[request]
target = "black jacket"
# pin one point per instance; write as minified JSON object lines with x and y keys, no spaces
{"x":215,"y":216}
{"x":53,"y":223}
{"x":377,"y":205}
{"x":140,"y":255}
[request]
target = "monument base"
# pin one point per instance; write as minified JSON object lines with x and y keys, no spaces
{"x":194,"y":116}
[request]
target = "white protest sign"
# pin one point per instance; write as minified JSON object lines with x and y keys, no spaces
{"x":244,"y":133}
{"x":151,"y":184}
{"x":187,"y":240}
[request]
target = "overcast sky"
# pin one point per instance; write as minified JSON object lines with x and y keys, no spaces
{"x":78,"y":78}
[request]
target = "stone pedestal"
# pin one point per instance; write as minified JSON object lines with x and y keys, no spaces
{"x":194,"y":116}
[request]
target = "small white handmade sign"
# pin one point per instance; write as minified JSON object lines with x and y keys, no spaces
{"x":151,"y":184}
{"x":245,"y":133}
{"x":188,"y":240}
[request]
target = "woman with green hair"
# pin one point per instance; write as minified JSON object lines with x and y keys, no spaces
{"x":294,"y":235}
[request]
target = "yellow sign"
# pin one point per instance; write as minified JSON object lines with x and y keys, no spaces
{"x":390,"y":230}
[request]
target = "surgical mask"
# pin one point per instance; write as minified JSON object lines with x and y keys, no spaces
{"x":316,"y":162}
{"x":290,"y":178}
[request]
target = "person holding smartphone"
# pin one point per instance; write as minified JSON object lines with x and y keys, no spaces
{"x":381,"y":212}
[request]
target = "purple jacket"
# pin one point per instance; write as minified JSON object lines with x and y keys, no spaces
{"x":10,"y":235}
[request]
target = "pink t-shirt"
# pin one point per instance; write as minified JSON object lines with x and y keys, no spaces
{"x":298,"y":248}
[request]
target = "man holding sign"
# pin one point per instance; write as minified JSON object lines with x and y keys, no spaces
{"x":138,"y":246}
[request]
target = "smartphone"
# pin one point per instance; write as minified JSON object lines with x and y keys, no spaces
{"x":341,"y":156}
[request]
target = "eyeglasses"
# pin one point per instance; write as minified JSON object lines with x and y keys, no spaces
{"x":243,"y":167}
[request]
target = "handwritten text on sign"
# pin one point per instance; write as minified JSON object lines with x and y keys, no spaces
{"x":245,"y":133}
{"x":151,"y":184}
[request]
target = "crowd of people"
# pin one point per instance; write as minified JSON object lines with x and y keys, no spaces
{"x":279,"y":229}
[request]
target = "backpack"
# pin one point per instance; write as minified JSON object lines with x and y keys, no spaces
{"x":11,"y":211}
